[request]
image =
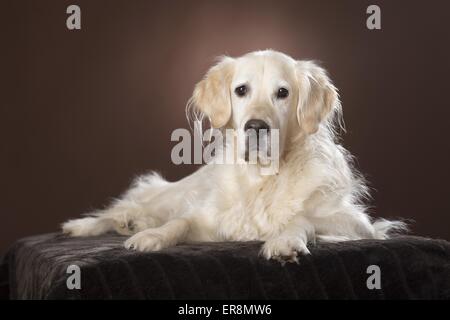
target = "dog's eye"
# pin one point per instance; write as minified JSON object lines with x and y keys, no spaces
{"x":241,"y":90}
{"x":282,"y":93}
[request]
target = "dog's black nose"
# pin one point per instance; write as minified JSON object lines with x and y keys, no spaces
{"x":256,"y":124}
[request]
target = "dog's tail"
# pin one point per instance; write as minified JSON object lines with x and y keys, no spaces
{"x":385,"y":229}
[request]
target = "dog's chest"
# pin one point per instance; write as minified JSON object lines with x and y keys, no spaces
{"x":252,"y":218}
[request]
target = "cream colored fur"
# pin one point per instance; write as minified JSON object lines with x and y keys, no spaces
{"x":316,"y":194}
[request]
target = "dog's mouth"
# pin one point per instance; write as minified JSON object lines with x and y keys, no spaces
{"x":257,"y":146}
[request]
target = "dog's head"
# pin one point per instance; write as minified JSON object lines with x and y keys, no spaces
{"x":264,"y":91}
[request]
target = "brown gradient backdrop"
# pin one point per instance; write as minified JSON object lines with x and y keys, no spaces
{"x":83,"y":112}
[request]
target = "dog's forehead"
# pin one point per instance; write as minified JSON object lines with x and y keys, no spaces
{"x":271,"y":66}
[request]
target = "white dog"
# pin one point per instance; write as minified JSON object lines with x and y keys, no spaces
{"x":315,"y":195}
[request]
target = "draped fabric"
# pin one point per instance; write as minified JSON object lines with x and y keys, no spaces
{"x":409,"y":268}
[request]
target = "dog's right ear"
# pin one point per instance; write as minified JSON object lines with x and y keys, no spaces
{"x":212,"y":95}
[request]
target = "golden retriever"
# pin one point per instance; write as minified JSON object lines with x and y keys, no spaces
{"x":315,"y":194}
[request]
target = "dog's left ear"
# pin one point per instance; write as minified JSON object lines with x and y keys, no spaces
{"x":212,"y":95}
{"x":318,"y":96}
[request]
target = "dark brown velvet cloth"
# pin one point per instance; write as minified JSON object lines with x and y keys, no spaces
{"x":411,"y":268}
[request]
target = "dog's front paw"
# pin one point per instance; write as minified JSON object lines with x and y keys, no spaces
{"x":128,"y":226}
{"x":284,"y":249}
{"x":147,"y":240}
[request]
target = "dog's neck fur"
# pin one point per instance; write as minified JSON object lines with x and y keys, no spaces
{"x":296,"y":150}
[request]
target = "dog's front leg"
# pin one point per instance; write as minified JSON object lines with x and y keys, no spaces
{"x":291,"y":242}
{"x":154,"y":239}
